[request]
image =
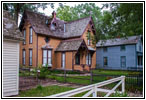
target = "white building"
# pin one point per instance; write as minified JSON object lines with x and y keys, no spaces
{"x":10,"y":68}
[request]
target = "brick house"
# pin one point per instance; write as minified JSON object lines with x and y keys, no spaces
{"x":55,"y":43}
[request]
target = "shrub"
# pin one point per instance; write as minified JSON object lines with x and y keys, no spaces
{"x":39,"y":87}
{"x":117,"y":94}
{"x":44,"y":72}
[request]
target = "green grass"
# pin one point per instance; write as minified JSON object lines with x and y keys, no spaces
{"x":114,"y":72}
{"x":44,"y":91}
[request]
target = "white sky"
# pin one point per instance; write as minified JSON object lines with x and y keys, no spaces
{"x":48,"y":11}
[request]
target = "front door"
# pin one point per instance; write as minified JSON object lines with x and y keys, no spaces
{"x":63,"y":60}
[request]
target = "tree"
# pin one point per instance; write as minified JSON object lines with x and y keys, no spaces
{"x":123,"y":19}
{"x":18,"y":8}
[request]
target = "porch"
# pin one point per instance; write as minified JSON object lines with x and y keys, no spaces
{"x":75,"y":55}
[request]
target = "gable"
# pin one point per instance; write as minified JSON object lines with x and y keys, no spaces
{"x":85,"y":33}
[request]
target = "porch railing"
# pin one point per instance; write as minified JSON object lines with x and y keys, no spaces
{"x":94,"y":88}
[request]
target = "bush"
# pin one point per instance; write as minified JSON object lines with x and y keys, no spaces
{"x":44,"y":72}
{"x":39,"y":87}
{"x":117,"y":94}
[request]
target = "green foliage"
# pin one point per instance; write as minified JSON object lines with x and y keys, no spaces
{"x":39,"y":87}
{"x":123,"y":19}
{"x":44,"y":72}
{"x":117,"y":94}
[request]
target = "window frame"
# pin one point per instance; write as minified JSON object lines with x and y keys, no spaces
{"x":106,"y":61}
{"x":122,"y":48}
{"x":105,"y":49}
{"x":88,"y":59}
{"x":123,"y":62}
{"x":46,"y":57}
{"x":30,"y":35}
{"x":23,"y":58}
{"x":77,"y":62}
{"x":88,"y":39}
{"x":24,"y":42}
{"x":63,"y":53}
{"x":30,"y":58}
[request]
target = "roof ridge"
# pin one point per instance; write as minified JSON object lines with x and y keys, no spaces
{"x":121,"y":37}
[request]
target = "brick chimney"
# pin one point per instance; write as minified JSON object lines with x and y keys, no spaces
{"x":54,"y":15}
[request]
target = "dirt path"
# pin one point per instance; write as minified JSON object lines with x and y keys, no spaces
{"x":28,"y":83}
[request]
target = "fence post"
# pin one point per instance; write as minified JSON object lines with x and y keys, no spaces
{"x":64,"y":75}
{"x":123,"y":84}
{"x":91,"y":76}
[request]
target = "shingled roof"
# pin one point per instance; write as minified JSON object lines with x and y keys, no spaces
{"x":38,"y":22}
{"x":70,"y":45}
{"x":10,"y":29}
{"x":118,"y":41}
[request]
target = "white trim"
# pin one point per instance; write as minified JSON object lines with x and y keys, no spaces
{"x":94,"y":88}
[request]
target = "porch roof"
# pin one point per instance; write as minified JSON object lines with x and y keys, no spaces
{"x":91,"y":49}
{"x":70,"y":45}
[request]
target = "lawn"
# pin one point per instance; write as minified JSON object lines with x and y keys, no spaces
{"x":85,"y":80}
{"x":54,"y":89}
{"x":44,"y":91}
{"x":114,"y":72}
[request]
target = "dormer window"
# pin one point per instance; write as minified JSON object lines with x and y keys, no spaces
{"x":53,"y":25}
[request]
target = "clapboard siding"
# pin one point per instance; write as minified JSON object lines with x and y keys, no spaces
{"x":10,"y":67}
{"x":114,"y":57}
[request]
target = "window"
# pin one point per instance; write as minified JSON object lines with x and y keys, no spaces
{"x":77,"y":60}
{"x":30,"y":35}
{"x":88,"y":59}
{"x":139,"y":60}
{"x":30,"y":57}
{"x":123,"y":61}
{"x":63,"y":60}
{"x":47,"y":58}
{"x":24,"y":34}
{"x":53,"y":26}
{"x":123,"y":48}
{"x":88,"y":37}
{"x":105,"y":61}
{"x":139,"y":47}
{"x":23,"y":57}
{"x":105,"y":49}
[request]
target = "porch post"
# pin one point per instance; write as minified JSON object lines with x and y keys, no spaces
{"x":72,"y":60}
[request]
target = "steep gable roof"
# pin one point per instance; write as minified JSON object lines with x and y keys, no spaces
{"x":38,"y":22}
{"x":70,"y":45}
{"x":118,"y":41}
{"x":10,"y":29}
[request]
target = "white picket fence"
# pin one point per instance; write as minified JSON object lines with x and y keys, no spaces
{"x":94,"y":88}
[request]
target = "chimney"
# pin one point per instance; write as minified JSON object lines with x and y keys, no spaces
{"x":54,"y":14}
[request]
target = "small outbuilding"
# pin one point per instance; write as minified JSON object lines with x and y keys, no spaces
{"x":11,"y":38}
